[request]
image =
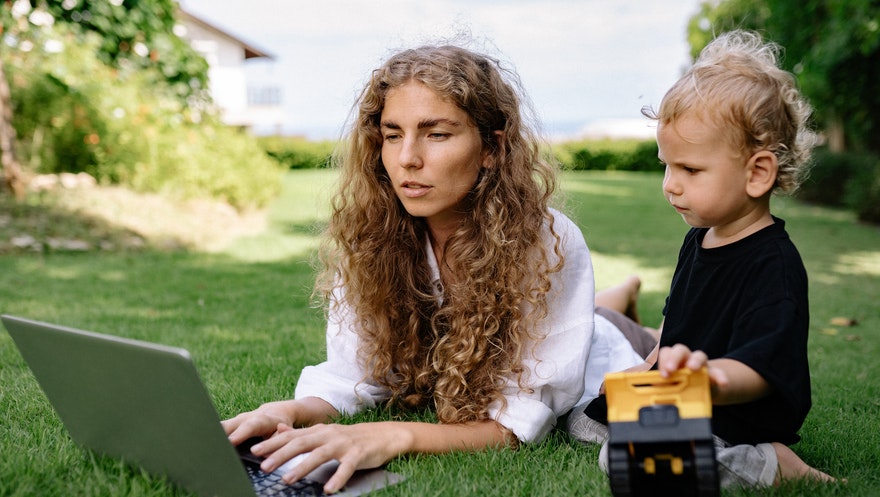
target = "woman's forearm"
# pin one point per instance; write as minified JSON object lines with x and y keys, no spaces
{"x":431,"y":438}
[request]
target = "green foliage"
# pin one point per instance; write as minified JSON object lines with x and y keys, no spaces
{"x":828,"y":177}
{"x":850,"y":180}
{"x":195,"y":161}
{"x":863,"y":190}
{"x":138,"y":36}
{"x":74,"y":113}
{"x":832,"y":47}
{"x":608,"y":155}
{"x":298,"y":153}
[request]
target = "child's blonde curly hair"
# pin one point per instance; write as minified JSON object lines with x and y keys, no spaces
{"x":736,"y":81}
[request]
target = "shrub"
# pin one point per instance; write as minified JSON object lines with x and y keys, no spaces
{"x":72,"y":113}
{"x":644,"y":157}
{"x":863,"y":189}
{"x":827,"y":179}
{"x":608,"y":155}
{"x":298,"y":153}
{"x":850,"y":180}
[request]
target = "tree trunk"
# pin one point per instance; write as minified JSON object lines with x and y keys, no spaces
{"x":13,"y":176}
{"x":835,"y":134}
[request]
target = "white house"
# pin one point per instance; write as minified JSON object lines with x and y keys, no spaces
{"x":257,"y":106}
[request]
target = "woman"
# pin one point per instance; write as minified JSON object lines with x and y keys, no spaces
{"x":449,"y":281}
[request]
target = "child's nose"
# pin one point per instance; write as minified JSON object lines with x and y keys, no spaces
{"x":670,"y":183}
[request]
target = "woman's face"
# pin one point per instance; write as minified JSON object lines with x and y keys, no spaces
{"x":432,"y":153}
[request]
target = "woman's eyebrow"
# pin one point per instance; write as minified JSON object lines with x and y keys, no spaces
{"x":430,"y":123}
{"x":424,"y":123}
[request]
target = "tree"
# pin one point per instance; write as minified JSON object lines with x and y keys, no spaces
{"x":13,"y":178}
{"x":832,"y":47}
{"x":136,"y":36}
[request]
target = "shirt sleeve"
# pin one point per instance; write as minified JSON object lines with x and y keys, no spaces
{"x":340,"y":380}
{"x":556,"y":365}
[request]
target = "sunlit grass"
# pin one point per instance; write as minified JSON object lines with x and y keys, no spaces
{"x":244,"y":313}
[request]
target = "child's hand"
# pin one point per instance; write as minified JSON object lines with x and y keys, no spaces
{"x":680,"y":356}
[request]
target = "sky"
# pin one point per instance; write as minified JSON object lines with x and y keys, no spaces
{"x":585,"y":64}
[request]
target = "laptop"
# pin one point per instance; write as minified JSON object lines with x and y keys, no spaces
{"x":146,"y":404}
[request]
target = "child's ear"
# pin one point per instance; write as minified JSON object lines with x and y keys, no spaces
{"x":761,"y":169}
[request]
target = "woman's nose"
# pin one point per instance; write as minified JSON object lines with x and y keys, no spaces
{"x":410,"y":153}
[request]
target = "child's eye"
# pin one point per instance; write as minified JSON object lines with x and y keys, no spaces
{"x":689,"y":170}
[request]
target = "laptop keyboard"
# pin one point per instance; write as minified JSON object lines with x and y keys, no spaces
{"x":270,"y":484}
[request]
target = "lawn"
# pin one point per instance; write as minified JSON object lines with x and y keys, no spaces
{"x":244,"y":314}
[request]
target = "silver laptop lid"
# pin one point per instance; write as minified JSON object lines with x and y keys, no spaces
{"x":146,"y":404}
{"x":138,"y":401}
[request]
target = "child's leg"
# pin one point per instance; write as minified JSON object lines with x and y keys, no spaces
{"x":622,"y":298}
{"x":792,"y":467}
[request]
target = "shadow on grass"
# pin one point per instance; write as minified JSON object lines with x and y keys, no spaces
{"x":38,"y":224}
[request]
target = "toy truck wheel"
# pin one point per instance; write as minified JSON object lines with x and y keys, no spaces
{"x":706,"y":469}
{"x":619,"y":470}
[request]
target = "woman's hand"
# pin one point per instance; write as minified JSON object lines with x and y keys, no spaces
{"x":370,"y":445}
{"x":264,"y":421}
{"x":359,"y":446}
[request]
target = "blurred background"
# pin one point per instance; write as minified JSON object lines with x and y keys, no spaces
{"x":209,"y":98}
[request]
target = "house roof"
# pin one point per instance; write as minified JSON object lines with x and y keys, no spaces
{"x":250,"y":51}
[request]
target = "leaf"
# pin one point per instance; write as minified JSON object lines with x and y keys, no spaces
{"x":843,"y":321}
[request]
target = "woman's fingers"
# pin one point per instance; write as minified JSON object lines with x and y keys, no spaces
{"x":353,"y":446}
{"x":261,"y":422}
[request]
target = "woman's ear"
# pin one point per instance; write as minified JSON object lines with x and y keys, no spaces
{"x":488,"y":161}
{"x":761,"y":169}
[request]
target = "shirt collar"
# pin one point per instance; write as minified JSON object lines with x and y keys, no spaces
{"x":434,"y":266}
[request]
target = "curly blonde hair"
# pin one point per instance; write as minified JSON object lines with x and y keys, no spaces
{"x":456,"y":356}
{"x":737,"y":81}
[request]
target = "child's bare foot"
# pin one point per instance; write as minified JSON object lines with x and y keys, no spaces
{"x":622,"y":297}
{"x":633,"y":284}
{"x":792,"y":467}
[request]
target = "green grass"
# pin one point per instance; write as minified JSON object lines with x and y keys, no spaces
{"x":244,"y":314}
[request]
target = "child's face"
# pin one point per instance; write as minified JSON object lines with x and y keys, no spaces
{"x":432,"y":153}
{"x":706,"y":177}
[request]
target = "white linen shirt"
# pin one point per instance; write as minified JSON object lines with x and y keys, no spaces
{"x":559,"y":367}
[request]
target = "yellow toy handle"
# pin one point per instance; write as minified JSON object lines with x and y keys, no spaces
{"x":628,"y":392}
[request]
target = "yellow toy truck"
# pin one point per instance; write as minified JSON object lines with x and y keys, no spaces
{"x":660,"y":434}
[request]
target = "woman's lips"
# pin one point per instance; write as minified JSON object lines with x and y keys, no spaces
{"x":412,"y":189}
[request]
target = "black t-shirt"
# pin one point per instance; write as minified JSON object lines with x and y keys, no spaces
{"x":747,"y":301}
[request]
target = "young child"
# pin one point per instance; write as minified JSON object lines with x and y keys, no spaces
{"x":731,"y":132}
{"x":449,"y":282}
